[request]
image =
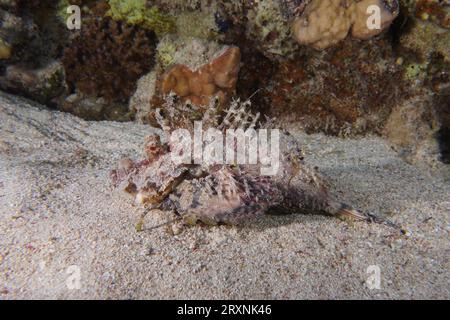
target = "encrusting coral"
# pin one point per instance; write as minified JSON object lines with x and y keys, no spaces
{"x":339,"y":91}
{"x":107,"y":59}
{"x":324,"y":23}
{"x":195,"y":70}
{"x":268,"y":29}
{"x":138,"y":12}
{"x":217,"y":78}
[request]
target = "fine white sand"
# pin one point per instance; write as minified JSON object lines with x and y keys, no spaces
{"x":57,"y":210}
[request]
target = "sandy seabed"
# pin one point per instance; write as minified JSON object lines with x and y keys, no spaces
{"x":61,"y":222}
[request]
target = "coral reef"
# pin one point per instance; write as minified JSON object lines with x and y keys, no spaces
{"x":422,"y":40}
{"x":94,"y":108}
{"x":340,"y":91}
{"x":88,"y":8}
{"x":130,"y":54}
{"x":192,"y":52}
{"x":422,"y":45}
{"x":31,"y":40}
{"x":204,"y":28}
{"x":217,"y":78}
{"x":103,"y":63}
{"x":141,"y":101}
{"x":45,"y":84}
{"x":433,"y":10}
{"x":324,"y":23}
{"x":137,"y":12}
{"x":194,"y":69}
{"x":269,"y":30}
{"x":26,"y":40}
{"x":107,"y":59}
{"x":412,"y":128}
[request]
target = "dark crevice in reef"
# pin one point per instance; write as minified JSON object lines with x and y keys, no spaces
{"x":443,"y":135}
{"x":444,"y":143}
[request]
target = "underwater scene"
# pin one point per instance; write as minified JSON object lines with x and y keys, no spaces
{"x":224,"y":150}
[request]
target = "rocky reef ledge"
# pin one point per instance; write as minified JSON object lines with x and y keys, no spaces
{"x":59,"y":218}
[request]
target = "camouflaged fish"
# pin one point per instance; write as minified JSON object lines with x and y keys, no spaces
{"x":227,"y":194}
